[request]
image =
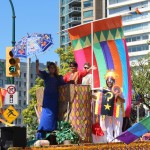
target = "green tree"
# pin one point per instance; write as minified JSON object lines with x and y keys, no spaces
{"x":29,"y":116}
{"x":66,"y":56}
{"x":140,"y":72}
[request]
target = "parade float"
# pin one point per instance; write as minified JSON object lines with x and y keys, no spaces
{"x":102,"y":43}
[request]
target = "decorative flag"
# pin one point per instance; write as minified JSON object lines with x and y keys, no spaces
{"x":102,"y":43}
{"x":135,"y":132}
{"x":135,"y":12}
{"x":3,"y":93}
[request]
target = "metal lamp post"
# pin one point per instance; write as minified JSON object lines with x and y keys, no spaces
{"x":13,"y":31}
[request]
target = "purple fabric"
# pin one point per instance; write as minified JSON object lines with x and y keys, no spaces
{"x":107,"y":55}
{"x":127,"y":137}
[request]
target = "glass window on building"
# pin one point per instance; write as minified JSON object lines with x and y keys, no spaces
{"x":136,"y":27}
{"x":145,"y":37}
{"x":1,"y":70}
{"x":19,"y":83}
{"x":24,"y":103}
{"x":116,"y":1}
{"x":88,"y":14}
{"x":63,"y":39}
{"x":1,"y":82}
{"x":24,"y":74}
{"x":119,"y":10}
{"x":87,"y":21}
{"x":24,"y":93}
{"x":62,"y":11}
{"x":24,"y":84}
{"x":31,"y":85}
{"x":19,"y":93}
{"x":137,"y":38}
{"x":135,"y":17}
{"x":62,"y":2}
{"x":31,"y":76}
{"x":88,"y":3}
{"x":19,"y":102}
{"x":128,"y":39}
{"x":138,"y":48}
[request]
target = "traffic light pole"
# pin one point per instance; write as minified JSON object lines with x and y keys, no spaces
{"x":13,"y":31}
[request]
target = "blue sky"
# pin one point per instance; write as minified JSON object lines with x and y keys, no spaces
{"x":32,"y":16}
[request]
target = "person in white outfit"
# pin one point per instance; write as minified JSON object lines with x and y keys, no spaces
{"x":87,"y":80}
{"x":112,"y":108}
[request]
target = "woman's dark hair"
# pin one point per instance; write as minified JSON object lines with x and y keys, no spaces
{"x":87,"y":64}
{"x":55,"y":66}
{"x":74,"y":64}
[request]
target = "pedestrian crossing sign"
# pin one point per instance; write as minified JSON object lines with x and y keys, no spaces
{"x":10,"y":114}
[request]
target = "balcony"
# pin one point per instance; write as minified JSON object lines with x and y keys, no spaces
{"x":75,"y":9}
{"x":74,"y":1}
{"x":74,"y":19}
{"x":124,"y":3}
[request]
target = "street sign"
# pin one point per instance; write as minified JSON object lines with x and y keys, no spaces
{"x":11,"y":89}
{"x":11,"y":97}
{"x":10,"y":114}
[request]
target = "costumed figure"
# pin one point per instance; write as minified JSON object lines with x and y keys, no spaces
{"x":111,"y":108}
{"x":48,"y":120}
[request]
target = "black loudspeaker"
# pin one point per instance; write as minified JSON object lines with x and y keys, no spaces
{"x":13,"y":137}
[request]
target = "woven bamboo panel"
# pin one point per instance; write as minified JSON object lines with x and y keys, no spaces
{"x":111,"y":146}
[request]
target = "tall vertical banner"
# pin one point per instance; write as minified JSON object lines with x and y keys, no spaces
{"x":102,"y":43}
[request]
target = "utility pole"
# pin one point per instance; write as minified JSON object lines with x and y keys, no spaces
{"x":13,"y":31}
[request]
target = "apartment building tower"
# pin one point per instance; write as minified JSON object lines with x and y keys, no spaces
{"x":136,"y":26}
{"x":76,"y":12}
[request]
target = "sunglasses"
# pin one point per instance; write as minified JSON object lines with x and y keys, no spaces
{"x":86,"y":67}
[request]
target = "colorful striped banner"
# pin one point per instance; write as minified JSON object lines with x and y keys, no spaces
{"x":109,"y":52}
{"x":136,"y":131}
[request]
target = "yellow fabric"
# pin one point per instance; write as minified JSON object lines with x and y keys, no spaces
{"x":119,"y":106}
{"x":117,"y":109}
{"x":96,"y":105}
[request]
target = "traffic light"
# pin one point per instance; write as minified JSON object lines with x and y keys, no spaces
{"x":12,"y":64}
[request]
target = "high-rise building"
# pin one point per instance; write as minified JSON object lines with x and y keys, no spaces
{"x":136,"y":26}
{"x":20,"y":84}
{"x":92,"y":10}
{"x":70,"y":15}
{"x":76,"y":12}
